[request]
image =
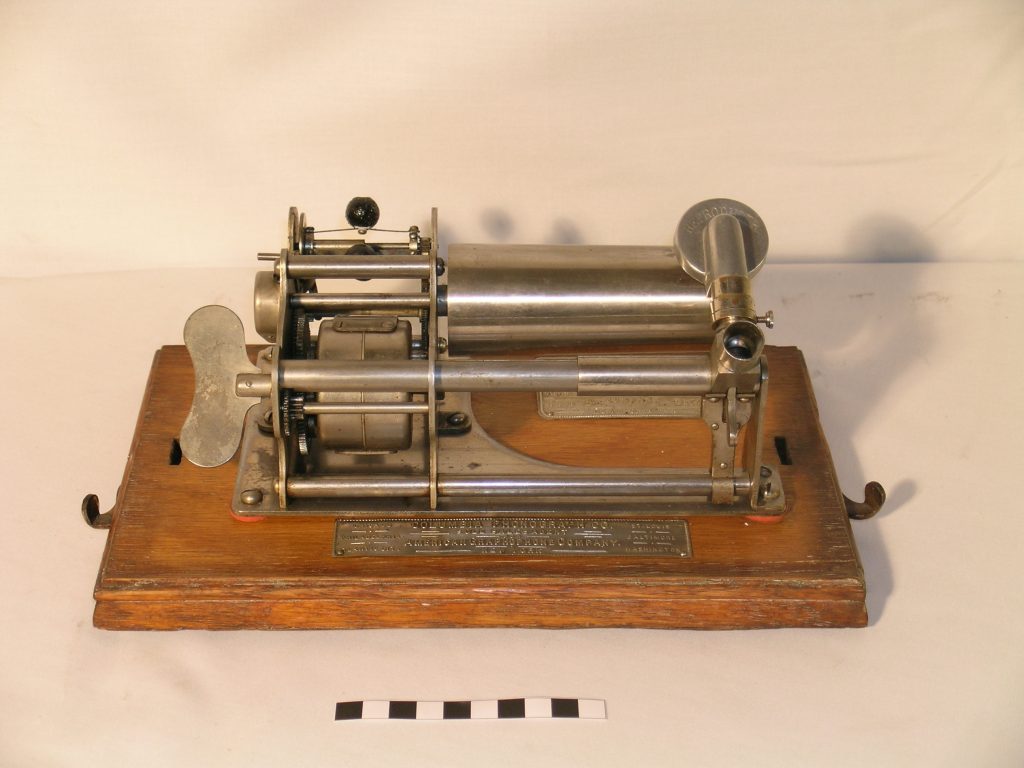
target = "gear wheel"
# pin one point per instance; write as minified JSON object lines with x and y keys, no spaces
{"x":291,"y":412}
{"x":286,"y":414}
{"x":302,"y":436}
{"x":301,"y":345}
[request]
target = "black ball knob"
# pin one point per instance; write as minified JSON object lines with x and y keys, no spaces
{"x":362,"y":212}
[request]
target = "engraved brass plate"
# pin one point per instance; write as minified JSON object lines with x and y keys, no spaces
{"x":568,"y":405}
{"x":512,"y":536}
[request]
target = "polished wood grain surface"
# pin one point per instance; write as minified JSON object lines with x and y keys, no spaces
{"x":175,"y":558}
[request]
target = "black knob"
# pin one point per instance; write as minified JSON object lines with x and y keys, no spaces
{"x":362,"y":212}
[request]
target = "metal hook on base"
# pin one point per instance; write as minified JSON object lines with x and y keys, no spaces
{"x":874,"y":498}
{"x":91,"y":512}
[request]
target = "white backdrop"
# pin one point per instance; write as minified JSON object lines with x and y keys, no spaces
{"x":138,"y":139}
{"x":151,"y":135}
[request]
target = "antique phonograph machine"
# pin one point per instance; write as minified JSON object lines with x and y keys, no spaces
{"x":531,"y":435}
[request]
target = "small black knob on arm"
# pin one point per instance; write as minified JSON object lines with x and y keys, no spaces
{"x":362,"y":212}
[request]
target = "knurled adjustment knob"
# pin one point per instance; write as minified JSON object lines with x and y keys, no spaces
{"x":362,"y":212}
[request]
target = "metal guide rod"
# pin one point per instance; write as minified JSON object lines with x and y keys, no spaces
{"x":396,"y":265}
{"x":432,"y":378}
{"x":339,"y":302}
{"x":606,"y":484}
{"x":661,"y":375}
{"x":340,"y":246}
{"x":274,"y":390}
{"x":314,"y":408}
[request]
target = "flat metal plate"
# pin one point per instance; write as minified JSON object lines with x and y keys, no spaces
{"x":568,"y":405}
{"x":512,"y":536}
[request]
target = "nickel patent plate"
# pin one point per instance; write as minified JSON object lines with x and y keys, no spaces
{"x":512,"y":536}
{"x":569,"y":405}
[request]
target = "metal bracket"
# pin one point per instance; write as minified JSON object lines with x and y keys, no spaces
{"x":725,"y":416}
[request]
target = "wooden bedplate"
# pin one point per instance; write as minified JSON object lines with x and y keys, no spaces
{"x":176,"y":558}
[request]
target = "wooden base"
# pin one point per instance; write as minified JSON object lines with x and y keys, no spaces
{"x":176,"y":559}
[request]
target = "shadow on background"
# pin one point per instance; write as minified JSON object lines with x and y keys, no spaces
{"x":861,"y":346}
{"x":564,"y":232}
{"x":499,"y":227}
{"x":497,"y":224}
{"x":885,"y":239}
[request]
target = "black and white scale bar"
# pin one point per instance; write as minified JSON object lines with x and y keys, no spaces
{"x":486,"y":709}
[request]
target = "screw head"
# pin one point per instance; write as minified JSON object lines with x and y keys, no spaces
{"x":457,"y":419}
{"x":251,"y":496}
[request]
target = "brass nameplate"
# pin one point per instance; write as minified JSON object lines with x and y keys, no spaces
{"x":569,"y":405}
{"x":512,"y":536}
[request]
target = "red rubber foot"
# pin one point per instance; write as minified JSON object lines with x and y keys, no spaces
{"x":764,"y":518}
{"x":245,"y":519}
